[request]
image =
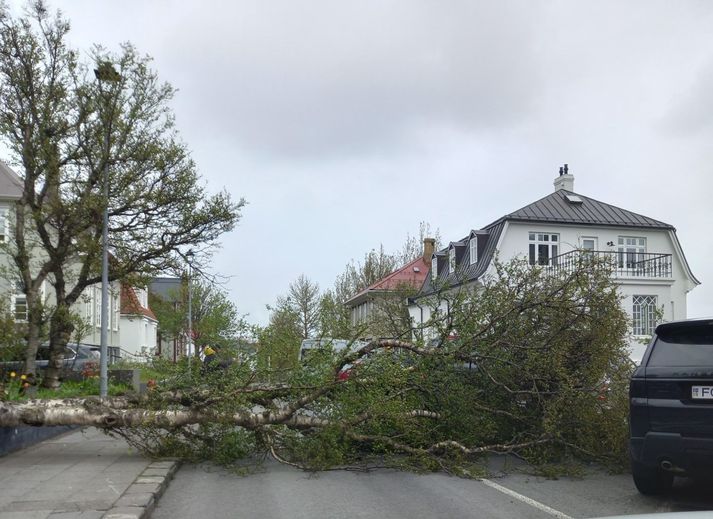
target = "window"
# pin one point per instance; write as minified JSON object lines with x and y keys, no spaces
{"x":434,"y":267}
{"x":473,"y":249}
{"x":631,"y":250}
{"x":543,"y":248}
{"x":88,"y":308}
{"x":19,"y":302}
{"x":3,"y":224}
{"x":117,"y":311}
{"x":589,"y":243}
{"x":452,"y":260}
{"x":97,"y":307}
{"x":644,"y":315}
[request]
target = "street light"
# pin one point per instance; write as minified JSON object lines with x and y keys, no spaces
{"x":189,"y":259}
{"x":105,"y":72}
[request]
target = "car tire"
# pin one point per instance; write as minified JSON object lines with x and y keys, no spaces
{"x":651,"y":481}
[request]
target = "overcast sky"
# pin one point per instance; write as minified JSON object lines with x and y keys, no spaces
{"x":345,"y":124}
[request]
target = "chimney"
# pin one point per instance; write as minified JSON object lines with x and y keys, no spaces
{"x":564,"y":180}
{"x":429,"y":245}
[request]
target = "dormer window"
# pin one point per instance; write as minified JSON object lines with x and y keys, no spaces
{"x":434,"y":267}
{"x":452,"y":260}
{"x":473,"y":245}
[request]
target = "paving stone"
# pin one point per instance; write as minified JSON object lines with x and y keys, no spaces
{"x":25,"y":515}
{"x":156,"y":473}
{"x":144,"y":500}
{"x":142,"y":479}
{"x":88,"y":514}
{"x":49,"y":506}
{"x":163,"y":464}
{"x":133,"y":512}
{"x":142,"y":488}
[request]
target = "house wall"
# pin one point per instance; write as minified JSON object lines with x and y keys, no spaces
{"x":138,"y":335}
{"x":670,"y":292}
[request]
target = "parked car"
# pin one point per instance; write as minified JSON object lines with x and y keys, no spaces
{"x":671,"y":406}
{"x":76,"y":356}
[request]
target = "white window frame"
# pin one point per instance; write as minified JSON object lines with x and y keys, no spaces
{"x":452,"y":260}
{"x":538,"y":240}
{"x":434,"y":267}
{"x":18,"y":296}
{"x":117,"y":311}
{"x":473,"y":246}
{"x":630,"y":247}
{"x":97,"y":307}
{"x":3,"y":224}
{"x":643,"y":314}
{"x":593,"y":239}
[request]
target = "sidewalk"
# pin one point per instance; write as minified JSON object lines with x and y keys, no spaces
{"x":82,"y":474}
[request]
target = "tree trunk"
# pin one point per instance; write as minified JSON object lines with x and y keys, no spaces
{"x":34,"y":324}
{"x":61,"y":329}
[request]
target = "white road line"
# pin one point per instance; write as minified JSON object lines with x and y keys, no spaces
{"x":525,"y":499}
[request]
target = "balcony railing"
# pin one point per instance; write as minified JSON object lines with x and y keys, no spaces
{"x":623,"y":264}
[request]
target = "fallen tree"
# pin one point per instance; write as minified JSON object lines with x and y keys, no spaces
{"x":522,"y":370}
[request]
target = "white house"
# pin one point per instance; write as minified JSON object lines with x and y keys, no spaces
{"x":651,"y":269}
{"x":88,"y":306}
{"x":138,"y":324}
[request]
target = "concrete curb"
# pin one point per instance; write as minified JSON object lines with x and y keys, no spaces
{"x":139,"y":500}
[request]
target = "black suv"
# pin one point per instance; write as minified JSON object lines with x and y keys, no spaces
{"x":671,"y":406}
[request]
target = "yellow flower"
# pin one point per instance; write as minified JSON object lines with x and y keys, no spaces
{"x":23,"y":377}
{"x":13,"y":374}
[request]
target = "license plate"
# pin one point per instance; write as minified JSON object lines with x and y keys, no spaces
{"x":702,"y":392}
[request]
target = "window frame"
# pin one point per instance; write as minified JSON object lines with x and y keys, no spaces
{"x":4,"y":212}
{"x":624,"y":250}
{"x":19,"y":294}
{"x":473,"y":249}
{"x":451,"y":260}
{"x":536,"y":240}
{"x":97,"y":308}
{"x":643,"y":314}
{"x":595,"y":243}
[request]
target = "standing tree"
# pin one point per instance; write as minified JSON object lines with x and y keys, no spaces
{"x":67,"y":128}
{"x":303,"y":299}
{"x":215,"y":318}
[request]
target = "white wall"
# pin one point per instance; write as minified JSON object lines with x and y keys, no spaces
{"x":138,"y":334}
{"x":670,"y":292}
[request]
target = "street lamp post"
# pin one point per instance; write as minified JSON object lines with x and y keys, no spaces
{"x":105,"y":72}
{"x":189,"y":258}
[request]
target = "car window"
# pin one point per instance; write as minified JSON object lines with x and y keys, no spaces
{"x":43,"y":354}
{"x":88,"y":353}
{"x":689,"y":346}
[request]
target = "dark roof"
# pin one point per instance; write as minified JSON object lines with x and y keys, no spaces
{"x":166,"y":288}
{"x":465,"y":271}
{"x":556,"y":208}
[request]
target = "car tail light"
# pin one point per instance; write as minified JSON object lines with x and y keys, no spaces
{"x":637,"y":388}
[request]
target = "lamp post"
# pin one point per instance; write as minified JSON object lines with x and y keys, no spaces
{"x":105,"y":73}
{"x":189,"y":259}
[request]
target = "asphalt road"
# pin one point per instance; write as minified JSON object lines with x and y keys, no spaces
{"x":280,"y":492}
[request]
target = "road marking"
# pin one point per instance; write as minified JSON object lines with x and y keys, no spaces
{"x":525,"y":499}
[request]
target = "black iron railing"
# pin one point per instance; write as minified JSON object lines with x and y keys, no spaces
{"x":624,"y":264}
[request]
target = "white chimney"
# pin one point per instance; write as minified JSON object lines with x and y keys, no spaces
{"x":564,"y":180}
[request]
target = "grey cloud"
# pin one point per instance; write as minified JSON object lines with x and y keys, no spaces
{"x":344,"y":78}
